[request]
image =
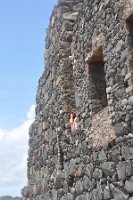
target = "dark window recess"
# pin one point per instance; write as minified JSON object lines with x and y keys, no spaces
{"x":130,"y":41}
{"x":97,"y":82}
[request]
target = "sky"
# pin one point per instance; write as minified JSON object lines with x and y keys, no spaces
{"x":23,"y":25}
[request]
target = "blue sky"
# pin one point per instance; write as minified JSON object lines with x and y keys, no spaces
{"x":22,"y":33}
{"x":23,"y":26}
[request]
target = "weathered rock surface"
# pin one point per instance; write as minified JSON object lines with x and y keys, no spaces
{"x":88,"y":70}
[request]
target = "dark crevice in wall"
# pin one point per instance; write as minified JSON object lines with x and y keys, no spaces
{"x":129,"y":78}
{"x":130,"y":41}
{"x":97,"y":82}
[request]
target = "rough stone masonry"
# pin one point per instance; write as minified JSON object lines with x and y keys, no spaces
{"x":88,"y":69}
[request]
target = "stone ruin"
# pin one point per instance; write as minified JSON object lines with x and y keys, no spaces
{"x":88,"y":69}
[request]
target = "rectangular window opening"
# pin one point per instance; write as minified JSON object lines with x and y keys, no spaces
{"x":97,"y":82}
{"x":130,"y":42}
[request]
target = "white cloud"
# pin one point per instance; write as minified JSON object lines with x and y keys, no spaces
{"x":13,"y":157}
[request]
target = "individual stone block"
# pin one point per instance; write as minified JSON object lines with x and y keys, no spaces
{"x":102,"y":155}
{"x":86,"y":182}
{"x":79,"y":187}
{"x":107,"y":193}
{"x":58,"y":181}
{"x":119,"y":193}
{"x":45,"y":125}
{"x":121,"y":170}
{"x":127,"y":152}
{"x":108,"y":168}
{"x":115,"y":155}
{"x":129,"y":186}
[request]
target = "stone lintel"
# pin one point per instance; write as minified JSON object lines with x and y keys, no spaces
{"x":94,"y":56}
{"x":96,"y":53}
{"x":128,"y":12}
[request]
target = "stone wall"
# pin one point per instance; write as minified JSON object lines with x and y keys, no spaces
{"x":88,"y":69}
